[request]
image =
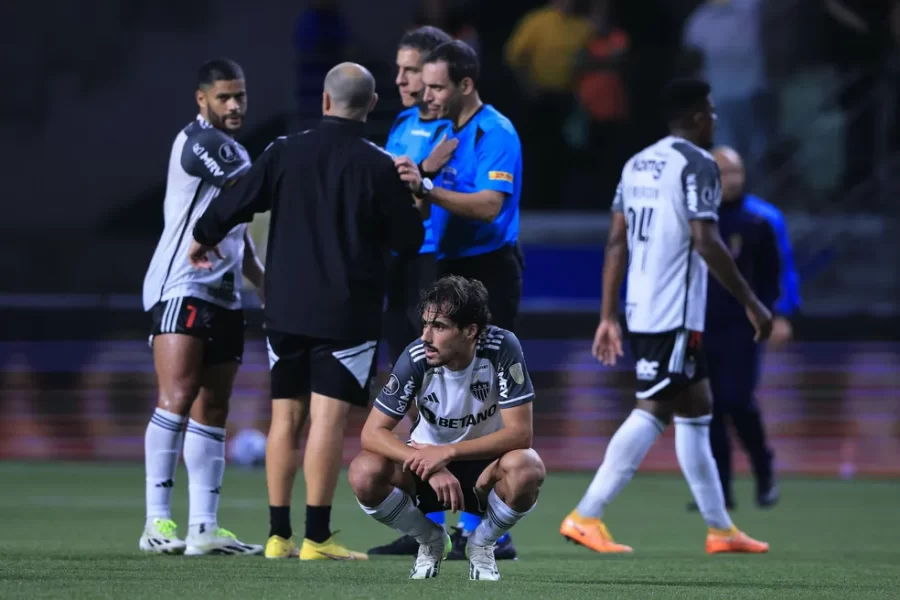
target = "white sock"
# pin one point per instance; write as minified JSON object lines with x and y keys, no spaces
{"x":162,"y":445}
{"x":696,"y":460}
{"x":204,"y":457}
{"x":399,"y":512}
{"x":627,"y":448}
{"x":498,"y":519}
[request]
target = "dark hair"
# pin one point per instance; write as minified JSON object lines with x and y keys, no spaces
{"x":424,"y":39}
{"x":463,"y":301}
{"x":219,"y":69}
{"x":683,"y":97}
{"x":461,"y":59}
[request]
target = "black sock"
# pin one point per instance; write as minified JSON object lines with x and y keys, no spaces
{"x":318,"y":523}
{"x":280,"y":521}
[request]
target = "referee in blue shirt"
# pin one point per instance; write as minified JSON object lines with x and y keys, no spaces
{"x":421,"y":136}
{"x":474,"y":200}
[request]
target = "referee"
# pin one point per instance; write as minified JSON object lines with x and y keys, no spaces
{"x":475,"y":198}
{"x":338,"y":210}
{"x":474,"y":202}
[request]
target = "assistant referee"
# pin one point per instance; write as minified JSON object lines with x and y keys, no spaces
{"x":475,"y":197}
{"x":338,"y":210}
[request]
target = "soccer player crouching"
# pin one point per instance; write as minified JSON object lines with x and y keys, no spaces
{"x":471,"y":447}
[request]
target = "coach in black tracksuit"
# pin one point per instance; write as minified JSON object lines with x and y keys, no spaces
{"x":338,"y":210}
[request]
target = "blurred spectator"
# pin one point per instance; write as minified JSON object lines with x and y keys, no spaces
{"x":864,"y":37}
{"x":456,"y":19}
{"x":724,"y":36}
{"x":600,"y":121}
{"x":321,"y":39}
{"x":541,"y":51}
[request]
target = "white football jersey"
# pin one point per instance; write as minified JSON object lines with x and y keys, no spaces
{"x":662,"y":189}
{"x":203,"y":160}
{"x":459,"y":405}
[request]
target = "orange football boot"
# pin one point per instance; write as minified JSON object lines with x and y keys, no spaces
{"x":733,"y":540}
{"x":591,"y":533}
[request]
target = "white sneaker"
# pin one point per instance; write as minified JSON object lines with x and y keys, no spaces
{"x":211,"y":539}
{"x":428,"y":561}
{"x":161,"y":537}
{"x":482,"y":564}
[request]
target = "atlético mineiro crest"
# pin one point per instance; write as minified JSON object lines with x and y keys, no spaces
{"x":481,"y":390}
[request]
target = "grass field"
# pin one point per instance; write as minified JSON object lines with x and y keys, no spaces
{"x":71,"y":531}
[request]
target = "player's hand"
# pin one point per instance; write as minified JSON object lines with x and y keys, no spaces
{"x":427,"y":460}
{"x":447,"y":489}
{"x":761,"y":319}
{"x":607,"y":342}
{"x":409,"y":173}
{"x":198,"y":255}
{"x":782,"y":332}
{"x":261,"y":292}
{"x":440,"y":155}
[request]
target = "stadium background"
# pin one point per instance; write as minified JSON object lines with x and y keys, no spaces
{"x":98,"y":92}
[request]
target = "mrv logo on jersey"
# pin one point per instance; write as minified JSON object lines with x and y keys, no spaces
{"x":207,"y":160}
{"x":458,"y":423}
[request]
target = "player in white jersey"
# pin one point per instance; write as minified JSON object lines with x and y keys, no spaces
{"x":471,"y":446}
{"x":198,"y":326}
{"x":664,"y":233}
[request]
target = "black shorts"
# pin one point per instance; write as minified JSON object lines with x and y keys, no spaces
{"x":303,"y":365}
{"x":221,"y":328}
{"x":501,"y":273}
{"x":667,"y":363}
{"x":467,"y":472}
{"x":406,"y":278}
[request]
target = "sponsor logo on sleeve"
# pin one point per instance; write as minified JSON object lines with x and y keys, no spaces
{"x":210,"y":163}
{"x":500,"y":176}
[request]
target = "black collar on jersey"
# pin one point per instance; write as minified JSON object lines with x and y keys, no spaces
{"x":469,"y":120}
{"x":350,"y":125}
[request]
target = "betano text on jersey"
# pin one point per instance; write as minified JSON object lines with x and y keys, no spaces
{"x":459,"y":405}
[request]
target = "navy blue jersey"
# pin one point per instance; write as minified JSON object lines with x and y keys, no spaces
{"x":754,"y":248}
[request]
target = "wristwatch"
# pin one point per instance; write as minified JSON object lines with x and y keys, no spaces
{"x":425,"y":187}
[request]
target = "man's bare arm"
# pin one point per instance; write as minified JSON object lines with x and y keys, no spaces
{"x":378,"y":437}
{"x":615,"y":262}
{"x":517,"y":434}
{"x":709,"y":245}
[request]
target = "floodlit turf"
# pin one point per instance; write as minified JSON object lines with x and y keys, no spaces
{"x":71,"y":531}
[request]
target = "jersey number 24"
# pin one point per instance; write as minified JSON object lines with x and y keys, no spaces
{"x":638,"y":229}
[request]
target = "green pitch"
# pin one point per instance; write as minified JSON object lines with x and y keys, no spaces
{"x":71,"y":531}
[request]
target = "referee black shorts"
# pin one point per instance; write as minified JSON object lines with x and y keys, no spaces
{"x":406,"y":278}
{"x":302,"y":365}
{"x":501,"y":273}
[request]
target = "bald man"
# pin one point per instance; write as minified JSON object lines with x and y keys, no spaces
{"x":338,"y":209}
{"x":733,"y":357}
